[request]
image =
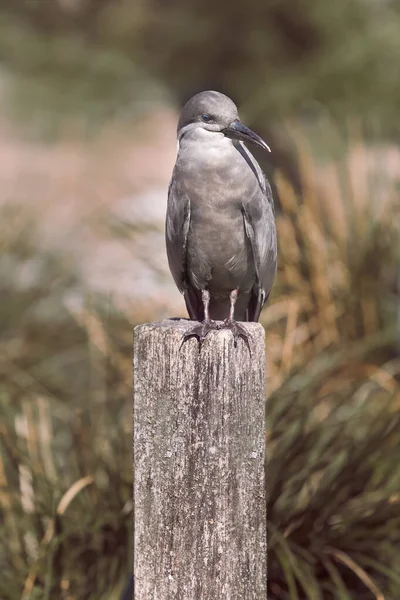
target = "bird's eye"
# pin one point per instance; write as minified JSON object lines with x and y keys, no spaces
{"x":206,"y":118}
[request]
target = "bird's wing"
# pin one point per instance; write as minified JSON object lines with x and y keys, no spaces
{"x":176,"y":232}
{"x":259,"y":221}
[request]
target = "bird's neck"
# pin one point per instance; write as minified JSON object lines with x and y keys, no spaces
{"x":202,"y":137}
{"x":201,"y":151}
{"x":205,"y":147}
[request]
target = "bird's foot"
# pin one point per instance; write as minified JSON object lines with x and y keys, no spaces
{"x":201,"y":330}
{"x":238,"y":331}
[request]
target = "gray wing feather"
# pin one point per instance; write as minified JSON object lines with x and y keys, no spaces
{"x":259,"y":221}
{"x":176,"y":232}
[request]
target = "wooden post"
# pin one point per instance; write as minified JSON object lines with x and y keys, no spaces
{"x":199,"y":488}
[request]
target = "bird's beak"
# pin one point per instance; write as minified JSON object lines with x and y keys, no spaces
{"x":238,"y":131}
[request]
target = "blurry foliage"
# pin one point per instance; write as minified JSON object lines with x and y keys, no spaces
{"x":341,"y":234}
{"x":333,"y":410}
{"x":66,"y":422}
{"x":333,"y":484}
{"x":276,"y":58}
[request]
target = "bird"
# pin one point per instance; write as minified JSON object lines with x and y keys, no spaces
{"x":220,"y":227}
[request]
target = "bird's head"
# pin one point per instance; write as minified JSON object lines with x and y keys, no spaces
{"x":215,"y":112}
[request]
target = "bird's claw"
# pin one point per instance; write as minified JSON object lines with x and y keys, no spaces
{"x":238,"y":331}
{"x":201,"y":330}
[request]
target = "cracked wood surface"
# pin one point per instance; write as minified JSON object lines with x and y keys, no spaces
{"x":199,"y":447}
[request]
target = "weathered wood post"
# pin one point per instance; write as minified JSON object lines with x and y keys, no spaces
{"x":199,"y":487}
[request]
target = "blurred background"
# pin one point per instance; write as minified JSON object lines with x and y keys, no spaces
{"x":90,"y":91}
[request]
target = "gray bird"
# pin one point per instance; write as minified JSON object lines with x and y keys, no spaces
{"x":220,"y":226}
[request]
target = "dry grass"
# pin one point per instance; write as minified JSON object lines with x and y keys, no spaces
{"x":338,"y":256}
{"x":333,"y":411}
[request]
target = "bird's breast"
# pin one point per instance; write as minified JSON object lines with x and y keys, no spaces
{"x":217,"y":180}
{"x":219,"y":254}
{"x":218,"y":251}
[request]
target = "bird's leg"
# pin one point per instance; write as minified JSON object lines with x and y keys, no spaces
{"x":237,"y":329}
{"x":233,"y":297}
{"x":202,"y":329}
{"x":205,"y":297}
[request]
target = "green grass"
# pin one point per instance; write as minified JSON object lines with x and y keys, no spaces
{"x":333,"y":481}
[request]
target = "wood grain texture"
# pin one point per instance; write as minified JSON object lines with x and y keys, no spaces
{"x":199,"y":487}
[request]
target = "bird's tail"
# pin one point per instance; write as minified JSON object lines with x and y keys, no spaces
{"x":194,"y":304}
